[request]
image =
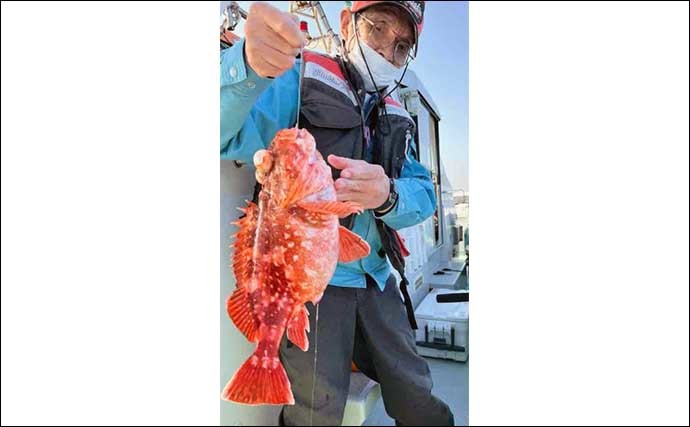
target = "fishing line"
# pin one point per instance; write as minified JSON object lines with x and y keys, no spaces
{"x":313,"y":380}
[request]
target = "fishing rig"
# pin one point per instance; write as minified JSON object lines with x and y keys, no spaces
{"x":327,"y":39}
{"x":231,"y":17}
{"x":324,"y":38}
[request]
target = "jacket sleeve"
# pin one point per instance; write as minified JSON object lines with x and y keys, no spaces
{"x":416,"y":196}
{"x":252,"y":108}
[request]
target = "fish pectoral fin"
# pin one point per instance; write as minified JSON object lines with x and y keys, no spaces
{"x":352,"y":247}
{"x":297,"y":328}
{"x":240,"y":311}
{"x":342,"y":209}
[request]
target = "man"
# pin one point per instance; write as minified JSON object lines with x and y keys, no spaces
{"x":366,"y":136}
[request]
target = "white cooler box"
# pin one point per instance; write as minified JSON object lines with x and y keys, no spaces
{"x":443,"y":328}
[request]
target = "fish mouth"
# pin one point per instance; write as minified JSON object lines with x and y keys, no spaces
{"x":306,"y":140}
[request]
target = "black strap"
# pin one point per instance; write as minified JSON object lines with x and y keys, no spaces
{"x":408,"y":301}
{"x":391,"y":247}
{"x":257,"y":190}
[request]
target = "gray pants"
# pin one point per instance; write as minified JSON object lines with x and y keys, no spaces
{"x":369,"y":327}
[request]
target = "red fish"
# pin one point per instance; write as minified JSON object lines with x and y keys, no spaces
{"x":285,"y":252}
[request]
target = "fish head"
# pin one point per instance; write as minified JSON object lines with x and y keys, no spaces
{"x":292,"y":168}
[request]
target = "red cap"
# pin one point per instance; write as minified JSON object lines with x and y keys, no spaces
{"x":303,"y":26}
{"x":414,"y":9}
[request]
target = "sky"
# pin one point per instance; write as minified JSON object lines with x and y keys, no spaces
{"x":441,"y":65}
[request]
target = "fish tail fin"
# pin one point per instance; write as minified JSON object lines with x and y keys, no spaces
{"x":260,"y":381}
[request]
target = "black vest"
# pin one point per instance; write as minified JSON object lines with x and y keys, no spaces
{"x":332,"y":92}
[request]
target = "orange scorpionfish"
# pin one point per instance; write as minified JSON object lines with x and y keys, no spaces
{"x":285,"y":252}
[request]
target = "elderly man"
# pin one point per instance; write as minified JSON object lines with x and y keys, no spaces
{"x":367,"y":138}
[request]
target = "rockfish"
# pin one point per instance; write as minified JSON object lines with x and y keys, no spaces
{"x":285,"y":252}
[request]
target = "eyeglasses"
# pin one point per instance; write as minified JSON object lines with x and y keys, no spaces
{"x":381,"y":35}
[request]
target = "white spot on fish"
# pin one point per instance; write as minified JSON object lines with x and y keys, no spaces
{"x":295,"y":257}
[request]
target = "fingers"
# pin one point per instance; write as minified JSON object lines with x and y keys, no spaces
{"x":273,"y":40}
{"x":346,"y":196}
{"x":363,"y":171}
{"x":343,"y":162}
{"x":356,"y":169}
{"x":282,"y":23}
{"x":276,"y":58}
{"x":345,"y":191}
{"x":370,"y":193}
{"x":337,"y":161}
{"x":350,"y":185}
{"x":265,"y":69}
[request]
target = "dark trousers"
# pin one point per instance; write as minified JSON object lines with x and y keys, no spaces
{"x":371,"y":328}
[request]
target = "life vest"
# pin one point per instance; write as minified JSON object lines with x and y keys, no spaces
{"x":332,"y":94}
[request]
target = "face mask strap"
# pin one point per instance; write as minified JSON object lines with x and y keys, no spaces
{"x":361,"y":52}
{"x":385,"y":113}
{"x":381,"y":100}
{"x":398,"y":82}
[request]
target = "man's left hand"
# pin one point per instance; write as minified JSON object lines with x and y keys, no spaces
{"x":360,"y":182}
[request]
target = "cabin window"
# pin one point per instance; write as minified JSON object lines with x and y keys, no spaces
{"x":415,"y":143}
{"x":433,"y":163}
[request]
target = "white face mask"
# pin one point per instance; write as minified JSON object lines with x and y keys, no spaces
{"x":384,"y":72}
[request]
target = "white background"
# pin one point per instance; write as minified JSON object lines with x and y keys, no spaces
{"x":110,"y":183}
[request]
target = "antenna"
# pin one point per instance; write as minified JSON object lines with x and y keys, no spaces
{"x":231,"y":16}
{"x":327,"y":39}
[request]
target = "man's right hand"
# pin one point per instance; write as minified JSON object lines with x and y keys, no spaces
{"x":272,"y":40}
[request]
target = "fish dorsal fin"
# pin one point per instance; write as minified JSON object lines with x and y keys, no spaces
{"x":242,"y":263}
